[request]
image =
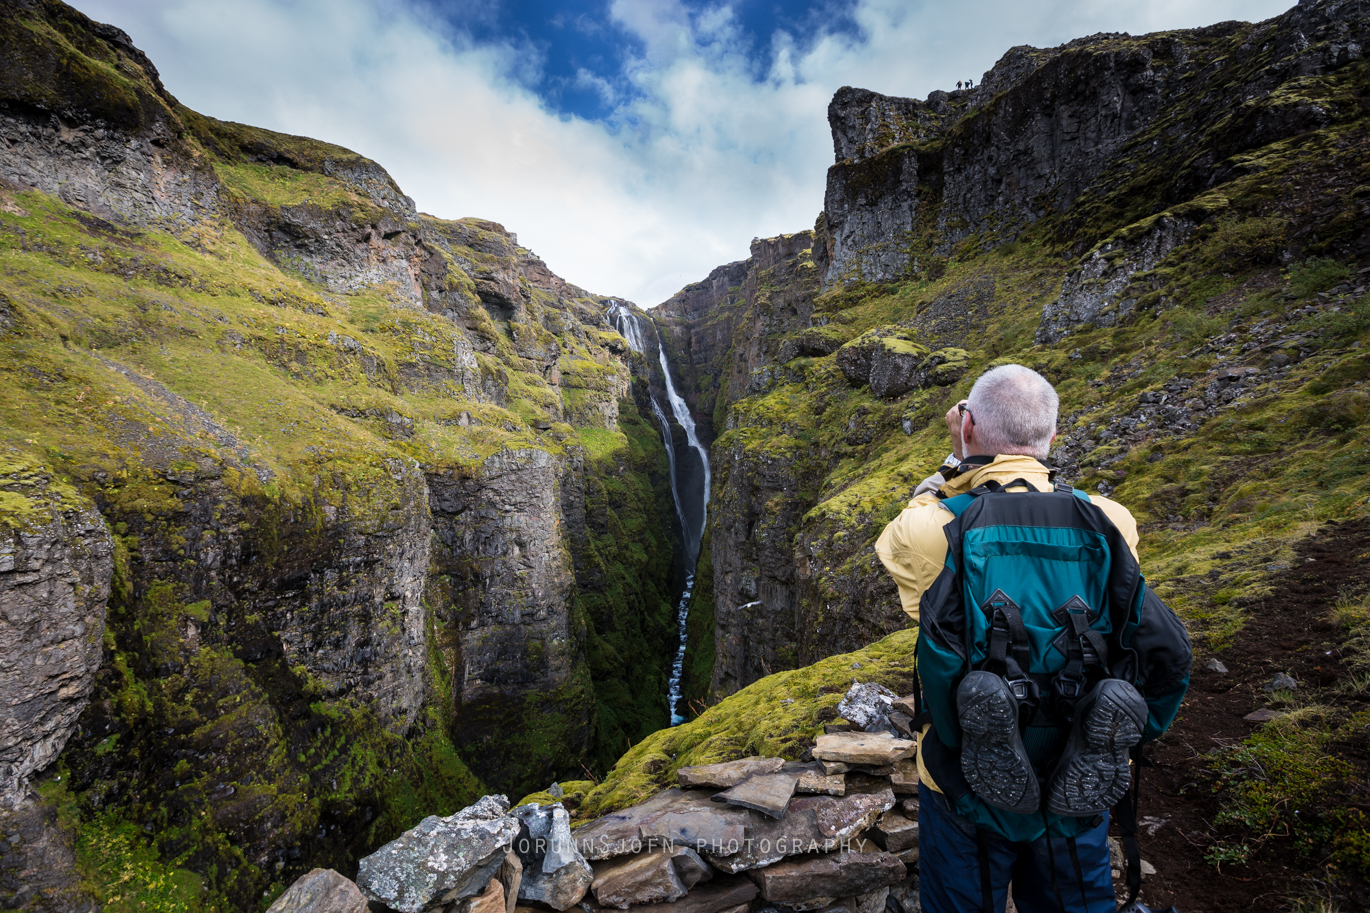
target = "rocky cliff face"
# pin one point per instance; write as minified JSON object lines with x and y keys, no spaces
{"x":1098,"y":121}
{"x":357,"y":506}
{"x":55,"y":571}
{"x":1113,"y":193}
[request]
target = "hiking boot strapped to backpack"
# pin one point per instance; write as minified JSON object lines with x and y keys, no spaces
{"x":1044,"y":664}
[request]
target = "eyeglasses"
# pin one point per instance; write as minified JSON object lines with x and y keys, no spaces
{"x":965,"y":410}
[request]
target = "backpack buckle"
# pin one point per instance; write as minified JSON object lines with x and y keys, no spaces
{"x":1070,"y":687}
{"x":1067,"y":689}
{"x":1024,"y":689}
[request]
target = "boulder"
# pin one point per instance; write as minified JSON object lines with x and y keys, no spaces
{"x":320,"y":891}
{"x":867,"y":704}
{"x":872,"y":902}
{"x":907,"y":705}
{"x":904,"y":777}
{"x":442,"y":859}
{"x":894,"y":832}
{"x":671,"y":815}
{"x":648,"y":878}
{"x":887,"y":359}
{"x":695,"y":828}
{"x":726,"y":774}
{"x":766,"y":793}
{"x":946,"y":366}
{"x":799,"y":881}
{"x":813,"y":824}
{"x":872,"y":749}
{"x":1282,"y":681}
{"x":554,"y":871}
{"x":491,"y":900}
{"x":510,"y":875}
{"x":727,"y":894}
{"x":814,"y":782}
{"x":903,"y":724}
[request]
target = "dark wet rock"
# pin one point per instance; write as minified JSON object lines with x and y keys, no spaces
{"x":892,"y":363}
{"x":833,"y":875}
{"x":554,"y":871}
{"x":55,"y":572}
{"x":648,"y":878}
{"x":727,"y":773}
{"x":442,"y":859}
{"x":766,"y":793}
{"x":321,"y":891}
{"x":38,"y":867}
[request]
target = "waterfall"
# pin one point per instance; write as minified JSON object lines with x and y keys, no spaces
{"x":629,"y":325}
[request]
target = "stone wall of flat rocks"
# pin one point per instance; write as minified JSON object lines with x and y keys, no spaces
{"x":837,"y":833}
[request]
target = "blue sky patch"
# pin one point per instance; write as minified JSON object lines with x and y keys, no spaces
{"x":575,"y":52}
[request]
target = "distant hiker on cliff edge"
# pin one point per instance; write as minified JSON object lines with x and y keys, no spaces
{"x":1044,"y":664}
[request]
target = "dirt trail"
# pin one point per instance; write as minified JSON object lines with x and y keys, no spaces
{"x":1292,"y":631}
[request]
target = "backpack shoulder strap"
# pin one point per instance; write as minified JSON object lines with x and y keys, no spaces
{"x":1065,"y":488}
{"x":958,"y":504}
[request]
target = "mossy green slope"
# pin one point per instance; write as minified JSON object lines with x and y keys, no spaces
{"x":1225,"y":405}
{"x":256,"y":428}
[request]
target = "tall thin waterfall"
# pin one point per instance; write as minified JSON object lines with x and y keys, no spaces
{"x":630,"y":326}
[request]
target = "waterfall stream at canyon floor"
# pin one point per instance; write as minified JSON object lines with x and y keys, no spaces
{"x":630,"y":326}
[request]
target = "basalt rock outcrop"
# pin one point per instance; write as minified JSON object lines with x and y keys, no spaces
{"x":56,"y":564}
{"x":307,"y":498}
{"x":1085,"y":189}
{"x":1045,"y":129}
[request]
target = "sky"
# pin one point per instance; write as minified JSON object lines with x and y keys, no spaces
{"x":634,"y":145}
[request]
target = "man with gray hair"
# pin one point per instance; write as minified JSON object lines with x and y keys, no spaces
{"x":1010,"y":784}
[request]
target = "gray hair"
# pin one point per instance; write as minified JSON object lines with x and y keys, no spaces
{"x":1014,"y":410}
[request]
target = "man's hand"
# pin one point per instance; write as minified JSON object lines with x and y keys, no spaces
{"x":954,"y":428}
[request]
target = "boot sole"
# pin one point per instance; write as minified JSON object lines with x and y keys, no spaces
{"x":993,"y":758}
{"x":1093,"y":774}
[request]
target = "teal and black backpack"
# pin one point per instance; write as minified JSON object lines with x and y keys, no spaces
{"x":1041,"y":588}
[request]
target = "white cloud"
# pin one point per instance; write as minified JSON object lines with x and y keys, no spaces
{"x":708,"y":153}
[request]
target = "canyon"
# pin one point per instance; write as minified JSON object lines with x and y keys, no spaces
{"x":320,"y":515}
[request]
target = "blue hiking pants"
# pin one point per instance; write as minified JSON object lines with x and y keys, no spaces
{"x":949,"y":867}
